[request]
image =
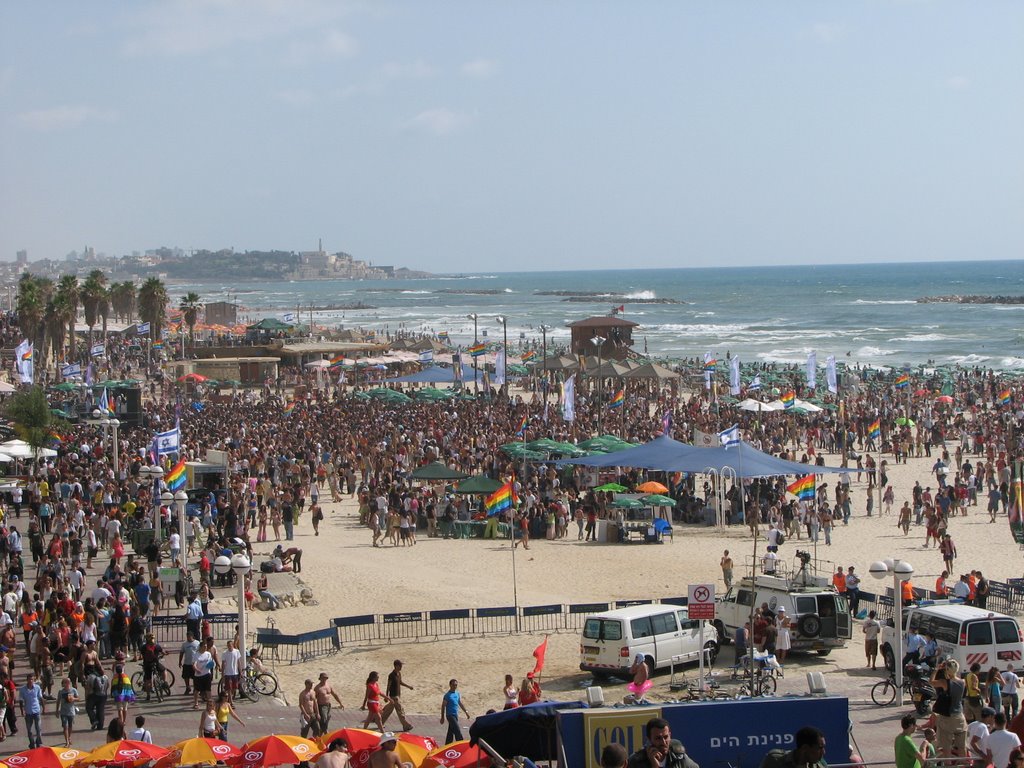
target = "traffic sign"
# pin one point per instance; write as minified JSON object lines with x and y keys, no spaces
{"x":701,"y":602}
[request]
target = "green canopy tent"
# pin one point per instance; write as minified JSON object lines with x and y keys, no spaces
{"x":437,"y":470}
{"x":479,"y":484}
{"x":625,"y":502}
{"x":612,"y":487}
{"x":658,"y":500}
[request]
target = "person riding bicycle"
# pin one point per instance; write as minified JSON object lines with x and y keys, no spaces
{"x":255,"y":664}
{"x":152,"y":652}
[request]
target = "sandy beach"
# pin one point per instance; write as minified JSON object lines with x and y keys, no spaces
{"x":350,"y":577}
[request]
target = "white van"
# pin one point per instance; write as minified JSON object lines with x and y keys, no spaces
{"x":965,"y":633}
{"x":662,"y":633}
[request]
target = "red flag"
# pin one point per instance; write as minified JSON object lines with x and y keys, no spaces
{"x":538,"y":653}
{"x":619,"y":309}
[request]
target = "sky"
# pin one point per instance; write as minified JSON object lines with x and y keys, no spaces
{"x":526,"y":135}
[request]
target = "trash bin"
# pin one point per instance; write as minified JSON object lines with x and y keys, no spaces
{"x":142,"y":538}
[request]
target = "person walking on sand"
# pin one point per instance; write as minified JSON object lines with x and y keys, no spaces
{"x":371,"y":702}
{"x":524,"y":527}
{"x":451,"y":703}
{"x":727,"y":565}
{"x":394,"y":693}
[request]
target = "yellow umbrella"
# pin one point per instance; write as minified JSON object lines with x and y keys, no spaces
{"x":124,"y":752}
{"x":43,"y":757}
{"x":199,"y":751}
{"x":277,"y":749}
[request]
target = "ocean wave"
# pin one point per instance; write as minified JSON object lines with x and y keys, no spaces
{"x":926,"y":337}
{"x":639,"y":295}
{"x":968,"y":359}
{"x":703,"y":314}
{"x":785,"y":356}
{"x":883,"y":301}
{"x":700,"y":328}
{"x":1012,"y":362}
{"x":869,"y":351}
{"x":412,"y":291}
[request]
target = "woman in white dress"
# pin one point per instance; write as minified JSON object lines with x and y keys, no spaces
{"x":784,"y":641}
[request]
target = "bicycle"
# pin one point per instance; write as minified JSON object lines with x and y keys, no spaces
{"x":162,"y":677}
{"x":883,"y":693}
{"x":255,"y":684}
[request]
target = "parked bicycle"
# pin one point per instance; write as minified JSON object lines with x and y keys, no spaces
{"x":915,"y":683}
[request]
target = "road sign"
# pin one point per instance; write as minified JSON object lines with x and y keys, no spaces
{"x":701,"y":603}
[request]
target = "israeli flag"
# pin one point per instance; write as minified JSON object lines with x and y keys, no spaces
{"x":289,"y":317}
{"x":734,"y":375}
{"x":755,"y":384}
{"x":142,"y":328}
{"x":830,"y":374}
{"x":569,"y":399}
{"x":730,"y":437}
{"x":427,"y":356}
{"x":97,"y":350}
{"x":812,"y":370}
{"x":169,"y":441}
{"x":68,"y":371}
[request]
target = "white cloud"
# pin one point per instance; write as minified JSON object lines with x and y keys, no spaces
{"x":296,"y":97}
{"x":827,"y":32}
{"x":187,"y":27}
{"x":68,"y":116}
{"x":441,"y":121}
{"x":480,"y":69}
{"x":958,"y":83}
{"x":417,"y":70}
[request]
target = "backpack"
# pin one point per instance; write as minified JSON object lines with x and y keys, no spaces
{"x":782,"y":539}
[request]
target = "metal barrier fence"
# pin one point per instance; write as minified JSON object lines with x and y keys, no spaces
{"x":499,"y":620}
{"x":172,"y":630}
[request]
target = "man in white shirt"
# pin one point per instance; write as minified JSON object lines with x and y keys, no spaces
{"x":1001,"y":742}
{"x":977,"y":737}
{"x":1011,"y":682}
{"x":140,"y":733}
{"x":768,"y":563}
{"x":100,"y":593}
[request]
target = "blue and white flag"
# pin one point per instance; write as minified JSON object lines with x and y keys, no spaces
{"x":730,"y":437}
{"x":734,"y":375}
{"x":427,"y":356}
{"x":666,"y":424}
{"x":755,"y":385}
{"x":97,"y":350}
{"x":24,"y":362}
{"x":289,"y":317}
{"x":169,"y":441}
{"x":812,"y":370}
{"x":73,"y":369}
{"x":142,"y":328}
{"x":569,"y":399}
{"x":830,"y":374}
{"x":499,"y":368}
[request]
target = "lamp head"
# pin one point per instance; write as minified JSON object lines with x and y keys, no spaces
{"x":240,"y":564}
{"x":115,"y":423}
{"x":180,"y":496}
{"x":472,"y":316}
{"x":500,"y":319}
{"x":166,"y":497}
{"x":879,"y":569}
{"x":222,"y":564}
{"x":904,"y":569}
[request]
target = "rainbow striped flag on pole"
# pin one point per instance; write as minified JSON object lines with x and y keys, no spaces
{"x":528,"y":355}
{"x":902,"y":382}
{"x":500,"y":500}
{"x":618,"y":400}
{"x":476,"y":350}
{"x":289,"y":408}
{"x":875,"y":429}
{"x":788,"y":400}
{"x":1004,"y":397}
{"x":176,"y":478}
{"x":802,"y":488}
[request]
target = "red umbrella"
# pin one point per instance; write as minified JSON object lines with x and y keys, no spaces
{"x":123,"y":753}
{"x":357,"y":738}
{"x":921,"y":392}
{"x":276,"y":750}
{"x":458,"y":754}
{"x":197,"y":378}
{"x":44,"y":757}
{"x":426,"y":742}
{"x":944,"y":399}
{"x":199,"y":751}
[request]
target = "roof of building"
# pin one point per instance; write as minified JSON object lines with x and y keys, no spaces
{"x":603,"y":322}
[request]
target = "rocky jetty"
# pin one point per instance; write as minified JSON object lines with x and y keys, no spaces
{"x":971,"y":300}
{"x":592,"y":299}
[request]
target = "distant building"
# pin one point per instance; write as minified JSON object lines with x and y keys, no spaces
{"x":221,"y":313}
{"x":22,"y":259}
{"x":616,"y":332}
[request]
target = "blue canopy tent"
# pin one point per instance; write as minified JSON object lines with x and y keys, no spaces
{"x":437,"y":375}
{"x":653,"y":455}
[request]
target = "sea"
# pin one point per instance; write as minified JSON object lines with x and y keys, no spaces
{"x":866,"y":314}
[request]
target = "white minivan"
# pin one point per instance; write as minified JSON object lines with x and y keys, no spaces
{"x":664,"y":634}
{"x":965,"y":633}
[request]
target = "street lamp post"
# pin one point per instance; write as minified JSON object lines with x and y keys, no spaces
{"x":166,"y":499}
{"x":504,"y":334}
{"x":241,"y":566}
{"x":544,"y":353}
{"x":154,"y":473}
{"x":901,"y":571}
{"x":114,"y":424}
{"x":474,"y":317}
{"x":99,"y":417}
{"x":598,"y":341}
{"x":180,"y":500}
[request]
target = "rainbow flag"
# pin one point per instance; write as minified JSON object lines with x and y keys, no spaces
{"x":55,"y":437}
{"x":176,"y":478}
{"x":158,"y":345}
{"x":710,"y":364}
{"x":902,"y":382}
{"x":529,"y":355}
{"x":289,"y":408}
{"x":501,"y":499}
{"x":1004,"y":397}
{"x":476,"y":350}
{"x":337,"y":360}
{"x":27,"y":354}
{"x":522,"y":425}
{"x":443,"y":336}
{"x":875,"y":429}
{"x":788,"y":400}
{"x":802,"y":488}
{"x":618,"y":400}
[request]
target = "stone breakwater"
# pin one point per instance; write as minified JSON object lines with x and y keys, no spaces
{"x":971,"y":300}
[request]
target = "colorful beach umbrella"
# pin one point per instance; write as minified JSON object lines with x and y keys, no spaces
{"x":44,"y":757}
{"x":357,"y":738}
{"x":612,"y":487}
{"x":199,"y":751}
{"x":428,"y":743}
{"x":195,"y":378}
{"x":657,"y":500}
{"x":276,"y":749}
{"x":626,"y":503}
{"x":458,"y":754}
{"x":652,"y":486}
{"x":124,"y":752}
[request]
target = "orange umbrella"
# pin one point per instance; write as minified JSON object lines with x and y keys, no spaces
{"x":276,"y":750}
{"x":458,"y":754}
{"x":426,"y":742}
{"x":411,"y":755}
{"x":198,"y":751}
{"x":652,"y":486}
{"x":124,"y":752}
{"x":944,"y":399}
{"x":43,"y":757}
{"x":357,"y":738}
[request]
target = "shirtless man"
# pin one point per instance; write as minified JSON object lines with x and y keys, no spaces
{"x":324,"y":692}
{"x":385,"y":757}
{"x":307,"y":708}
{"x":336,"y":756}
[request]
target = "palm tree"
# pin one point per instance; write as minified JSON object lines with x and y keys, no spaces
{"x":56,"y":326}
{"x":153,"y":305}
{"x":94,"y":292}
{"x":122,"y":300}
{"x":33,"y":420}
{"x":33,"y":295}
{"x":69,"y":298}
{"x":190,"y":311}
